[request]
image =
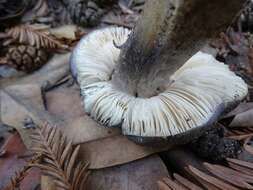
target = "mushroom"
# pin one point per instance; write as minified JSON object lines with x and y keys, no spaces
{"x":153,"y":102}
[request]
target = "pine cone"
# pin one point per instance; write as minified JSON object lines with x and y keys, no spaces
{"x":246,"y":17}
{"x":59,"y":13}
{"x":84,"y":13}
{"x":26,"y":58}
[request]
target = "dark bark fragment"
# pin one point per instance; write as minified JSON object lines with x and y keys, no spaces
{"x":213,"y":146}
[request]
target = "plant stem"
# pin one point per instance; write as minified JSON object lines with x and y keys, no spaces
{"x":166,"y":35}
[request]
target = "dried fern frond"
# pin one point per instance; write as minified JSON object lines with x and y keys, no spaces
{"x":178,"y":182}
{"x":35,"y":36}
{"x":20,"y":175}
{"x":59,"y":159}
{"x":240,"y":133}
{"x":236,"y":174}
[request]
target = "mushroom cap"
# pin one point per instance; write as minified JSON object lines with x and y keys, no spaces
{"x":195,"y":96}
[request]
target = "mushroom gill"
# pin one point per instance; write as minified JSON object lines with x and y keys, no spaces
{"x":201,"y":90}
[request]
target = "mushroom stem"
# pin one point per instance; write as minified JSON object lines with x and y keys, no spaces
{"x":166,"y":35}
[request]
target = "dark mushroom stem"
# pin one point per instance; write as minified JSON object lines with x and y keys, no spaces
{"x":166,"y":35}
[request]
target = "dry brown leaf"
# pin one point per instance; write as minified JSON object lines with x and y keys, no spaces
{"x":250,"y":55}
{"x":31,"y":94}
{"x":20,"y":175}
{"x":140,"y":174}
{"x":13,"y":166}
{"x":243,"y":119}
{"x":51,"y":73}
{"x":248,"y":148}
{"x":35,"y":36}
{"x":116,"y":150}
{"x":242,"y":107}
{"x":124,"y":8}
{"x":64,"y":32}
{"x":39,"y":10}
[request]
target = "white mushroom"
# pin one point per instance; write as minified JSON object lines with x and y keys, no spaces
{"x":195,"y":96}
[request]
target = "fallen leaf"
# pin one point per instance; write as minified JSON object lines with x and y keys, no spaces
{"x":52,"y":72}
{"x":250,"y":55}
{"x":65,"y":32}
{"x":242,"y":107}
{"x":140,"y":174}
{"x":65,"y":102}
{"x":124,"y":8}
{"x":248,"y":148}
{"x":11,"y":163}
{"x":12,"y":113}
{"x":113,"y":151}
{"x":243,"y":119}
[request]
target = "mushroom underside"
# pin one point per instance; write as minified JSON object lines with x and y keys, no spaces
{"x":194,"y":97}
{"x":179,"y":139}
